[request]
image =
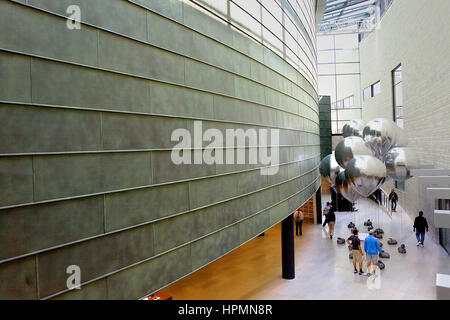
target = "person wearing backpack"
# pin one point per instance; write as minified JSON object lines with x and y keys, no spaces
{"x":393,"y":197}
{"x":355,"y":243}
{"x":420,"y":225}
{"x":372,"y":248}
{"x":331,"y":219}
{"x":298,"y":218}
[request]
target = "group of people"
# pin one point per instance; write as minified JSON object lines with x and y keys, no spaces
{"x":372,"y":245}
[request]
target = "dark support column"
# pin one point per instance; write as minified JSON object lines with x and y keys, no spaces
{"x":319,"y":205}
{"x":287,"y":247}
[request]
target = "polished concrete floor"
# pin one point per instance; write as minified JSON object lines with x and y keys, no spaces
{"x":323,"y":270}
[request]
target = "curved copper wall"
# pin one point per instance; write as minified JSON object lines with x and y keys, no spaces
{"x":85,"y":122}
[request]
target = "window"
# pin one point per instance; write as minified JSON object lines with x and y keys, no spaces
{"x":372,"y":90}
{"x":343,"y":103}
{"x":367,"y":93}
{"x":348,"y":102}
{"x":397,"y":94}
{"x":376,"y":88}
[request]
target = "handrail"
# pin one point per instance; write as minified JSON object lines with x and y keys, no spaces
{"x":385,"y":202}
{"x":382,"y":199}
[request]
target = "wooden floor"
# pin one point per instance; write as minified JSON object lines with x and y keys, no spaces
{"x":323,"y":270}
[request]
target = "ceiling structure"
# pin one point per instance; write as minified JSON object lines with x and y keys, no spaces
{"x":351,"y":16}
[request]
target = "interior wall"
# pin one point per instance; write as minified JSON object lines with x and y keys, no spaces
{"x":86,"y":117}
{"x":413,"y":33}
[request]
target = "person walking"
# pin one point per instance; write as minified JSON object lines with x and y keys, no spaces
{"x":393,"y":197}
{"x":420,"y":225}
{"x":354,"y":241}
{"x":372,"y":248}
{"x":331,"y":218}
{"x":325,"y":213}
{"x":298,"y":218}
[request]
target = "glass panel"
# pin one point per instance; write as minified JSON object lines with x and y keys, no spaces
{"x":341,"y":126}
{"x":271,"y":23}
{"x":349,"y":114}
{"x":334,"y":114}
{"x":367,"y":93}
{"x":327,"y":87}
{"x":339,"y":104}
{"x":347,"y":85}
{"x":241,"y":18}
{"x":325,"y":69}
{"x":376,"y":88}
{"x":398,"y":95}
{"x":325,"y":42}
{"x":347,"y":55}
{"x":272,"y":42}
{"x":220,"y":7}
{"x":346,"y":41}
{"x":325,"y":56}
{"x":347,"y":68}
{"x":397,"y":75}
{"x":252,"y":7}
{"x":348,"y":102}
{"x":334,"y":127}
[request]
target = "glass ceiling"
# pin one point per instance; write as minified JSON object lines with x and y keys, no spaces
{"x":352,"y":16}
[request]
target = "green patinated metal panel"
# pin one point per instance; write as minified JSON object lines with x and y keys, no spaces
{"x":38,"y":129}
{"x":28,"y":229}
{"x":93,"y":141}
{"x":325,"y":126}
{"x":16,"y":180}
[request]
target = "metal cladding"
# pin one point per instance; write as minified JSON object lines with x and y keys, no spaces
{"x":353,"y":128}
{"x":399,"y":162}
{"x":346,"y":189}
{"x":350,"y":147}
{"x":329,"y":168}
{"x":366,"y":174}
{"x":382,"y":134}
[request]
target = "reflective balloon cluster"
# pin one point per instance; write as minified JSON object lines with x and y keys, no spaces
{"x":369,"y":154}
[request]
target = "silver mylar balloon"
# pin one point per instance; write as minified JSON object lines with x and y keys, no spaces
{"x":353,"y":128}
{"x":349,"y":147}
{"x":366,"y":174}
{"x":346,"y":189}
{"x":399,"y":162}
{"x":381,"y":134}
{"x":329,"y":168}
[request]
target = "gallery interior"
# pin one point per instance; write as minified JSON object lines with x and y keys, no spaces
{"x":224,"y":149}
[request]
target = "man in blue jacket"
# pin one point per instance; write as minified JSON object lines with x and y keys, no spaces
{"x":372,"y":248}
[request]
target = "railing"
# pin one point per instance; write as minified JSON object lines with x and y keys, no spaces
{"x":385,"y":202}
{"x":382,"y":199}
